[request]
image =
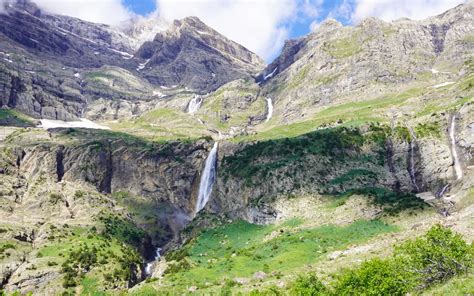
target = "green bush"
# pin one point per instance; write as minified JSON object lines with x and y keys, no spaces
{"x":375,"y":277}
{"x":437,"y":257}
{"x":79,"y":194}
{"x":309,"y":286}
{"x":393,"y":202}
{"x":415,"y":265}
{"x":54,"y":198}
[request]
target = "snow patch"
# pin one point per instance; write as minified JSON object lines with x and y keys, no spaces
{"x":83,"y":123}
{"x":168,"y":87}
{"x":124,"y":54}
{"x":77,"y":75}
{"x":157,"y":93}
{"x":202,"y":33}
{"x":143,"y":65}
{"x":270,"y":75}
{"x":443,"y":84}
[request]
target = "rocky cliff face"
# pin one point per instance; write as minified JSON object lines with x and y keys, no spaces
{"x":337,"y":64}
{"x":56,"y":66}
{"x":337,"y":161}
{"x":379,"y":109}
{"x":194,"y":55}
{"x":75,"y":181}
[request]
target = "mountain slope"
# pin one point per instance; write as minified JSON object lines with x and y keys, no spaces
{"x":48,"y":61}
{"x":340,"y":64}
{"x":370,"y":143}
{"x":194,"y":55}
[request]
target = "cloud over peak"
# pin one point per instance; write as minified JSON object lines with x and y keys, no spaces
{"x":389,"y":10}
{"x":260,"y":25}
{"x":111,"y":12}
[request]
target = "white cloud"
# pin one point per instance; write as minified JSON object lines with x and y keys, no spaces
{"x":3,"y":5}
{"x":110,"y":12}
{"x":394,"y":9}
{"x":258,"y":25}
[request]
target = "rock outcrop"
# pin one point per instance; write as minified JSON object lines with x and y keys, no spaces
{"x":54,"y":66}
{"x":192,"y":54}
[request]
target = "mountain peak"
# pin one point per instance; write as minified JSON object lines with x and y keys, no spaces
{"x":207,"y":58}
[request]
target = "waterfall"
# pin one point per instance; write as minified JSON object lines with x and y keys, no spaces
{"x":270,"y":109}
{"x":150,"y":264}
{"x":411,"y":165}
{"x":457,"y":164}
{"x":194,"y":104}
{"x":442,"y":191}
{"x":207,"y":179}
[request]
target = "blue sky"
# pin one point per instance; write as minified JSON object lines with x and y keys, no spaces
{"x":260,"y":25}
{"x":263,"y":25}
{"x":297,"y":28}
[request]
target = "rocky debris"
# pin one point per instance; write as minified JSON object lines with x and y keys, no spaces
{"x":241,"y":281}
{"x":24,"y":236}
{"x":25,"y":281}
{"x":259,"y":275}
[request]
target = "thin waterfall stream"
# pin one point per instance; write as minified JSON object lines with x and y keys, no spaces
{"x":149,"y":265}
{"x":207,"y":179}
{"x":269,"y":109}
{"x":457,"y":164}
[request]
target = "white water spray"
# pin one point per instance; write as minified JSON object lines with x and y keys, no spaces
{"x":150,"y":264}
{"x":207,"y":179}
{"x":457,"y":164}
{"x":194,"y":104}
{"x":270,"y":109}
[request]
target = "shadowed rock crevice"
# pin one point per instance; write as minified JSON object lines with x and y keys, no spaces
{"x":59,"y":163}
{"x":438,"y":33}
{"x":105,"y":185}
{"x":391,"y":165}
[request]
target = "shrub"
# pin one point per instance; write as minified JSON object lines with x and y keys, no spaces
{"x":375,"y":277}
{"x":308,"y":286}
{"x":54,"y":198}
{"x":416,"y":264}
{"x":79,"y":194}
{"x":438,"y":256}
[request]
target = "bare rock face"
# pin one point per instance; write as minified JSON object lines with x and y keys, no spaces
{"x":251,"y":176}
{"x":194,"y":55}
{"x":54,"y":66}
{"x":338,"y":64}
{"x":287,"y":57}
{"x":114,"y":166}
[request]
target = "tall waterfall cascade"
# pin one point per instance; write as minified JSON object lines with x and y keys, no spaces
{"x":269,"y":109}
{"x":208,"y":177}
{"x":457,"y":164}
{"x":194,"y":104}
